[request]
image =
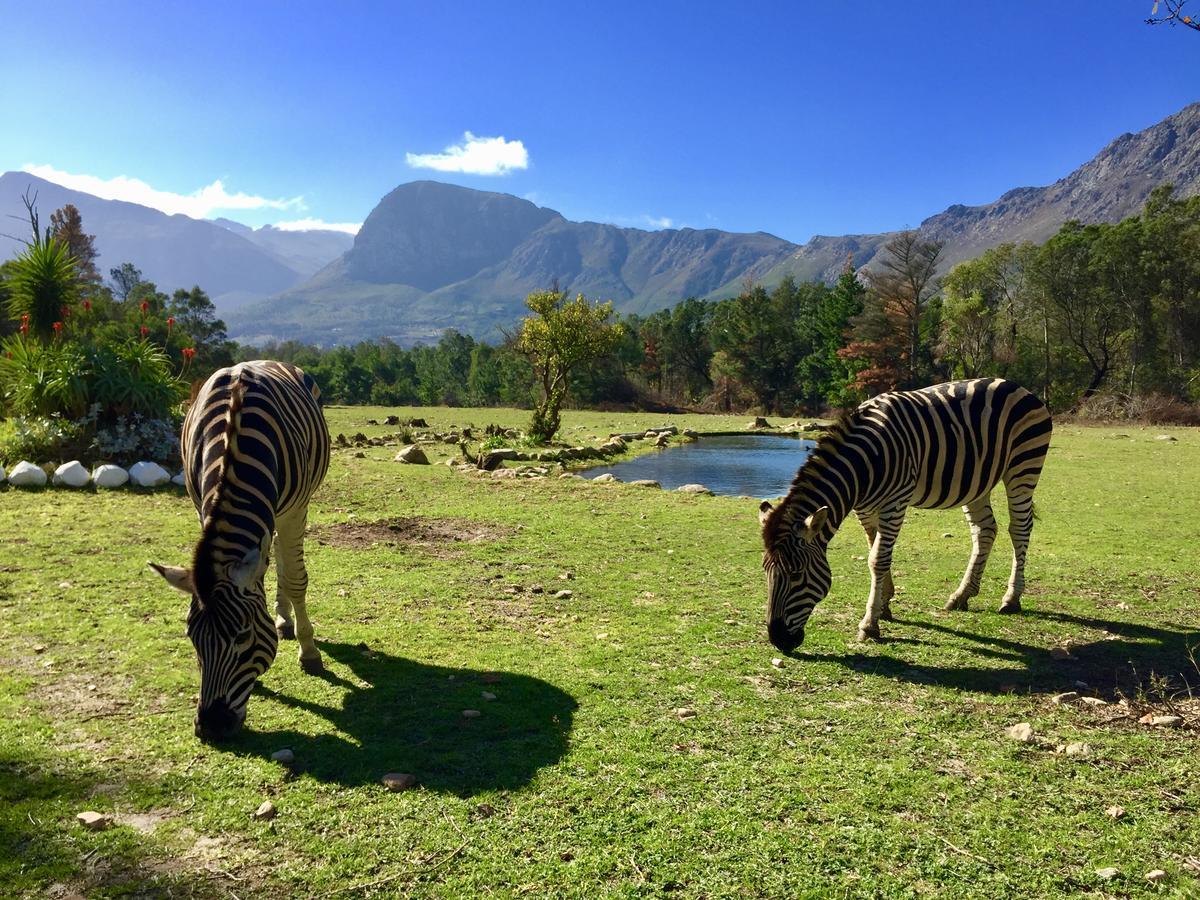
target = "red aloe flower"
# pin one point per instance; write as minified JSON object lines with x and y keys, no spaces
{"x":145,"y":307}
{"x":57,"y":326}
{"x":145,"y":331}
{"x":170,"y":323}
{"x":87,"y":305}
{"x":24,"y":328}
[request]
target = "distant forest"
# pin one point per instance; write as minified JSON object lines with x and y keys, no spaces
{"x":1103,"y":318}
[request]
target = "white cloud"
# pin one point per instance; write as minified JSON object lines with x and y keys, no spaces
{"x":318,"y":225}
{"x":474,"y":156}
{"x":199,"y":204}
{"x":658,"y":222}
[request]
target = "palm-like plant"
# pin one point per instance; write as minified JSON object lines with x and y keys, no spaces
{"x":42,"y":282}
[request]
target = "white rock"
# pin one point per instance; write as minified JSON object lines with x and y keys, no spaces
{"x":471,"y":714}
{"x":693,"y":489}
{"x":3,"y":475}
{"x":1108,"y":873}
{"x":606,"y":478}
{"x":645,"y":482}
{"x":178,"y":479}
{"x":26,"y":474}
{"x":1093,"y":701}
{"x":1064,"y":698}
{"x":109,"y":476}
{"x":1166,"y":721}
{"x":685,"y":713}
{"x":148,"y":474}
{"x":1115,"y":812}
{"x":1077,"y":749}
{"x":285,"y":756}
{"x":1156,"y":875}
{"x":71,"y":474}
{"x":1022,"y":732}
{"x":487,"y":695}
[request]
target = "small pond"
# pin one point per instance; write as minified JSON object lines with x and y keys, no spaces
{"x":739,"y":465}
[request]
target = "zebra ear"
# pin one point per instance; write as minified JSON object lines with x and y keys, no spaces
{"x":245,"y":573}
{"x":764,"y":511}
{"x":176,"y":576}
{"x":814,"y":523}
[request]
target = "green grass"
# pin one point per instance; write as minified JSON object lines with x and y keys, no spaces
{"x":852,"y":770}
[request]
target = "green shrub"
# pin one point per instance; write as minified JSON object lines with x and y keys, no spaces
{"x":42,"y":439}
{"x":41,"y":285}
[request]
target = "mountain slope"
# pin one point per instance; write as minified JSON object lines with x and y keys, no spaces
{"x":173,"y":251}
{"x":434,"y":256}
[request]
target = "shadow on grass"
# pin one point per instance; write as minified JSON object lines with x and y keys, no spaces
{"x":1120,"y":665}
{"x":43,"y":852}
{"x":410,"y":719}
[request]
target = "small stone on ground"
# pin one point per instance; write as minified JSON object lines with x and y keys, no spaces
{"x":685,"y":713}
{"x":1022,"y":732}
{"x":94,"y":821}
{"x":471,"y":714}
{"x":1108,"y":873}
{"x":265,"y":811}
{"x":1156,"y":875}
{"x":285,"y":756}
{"x":563,"y":595}
{"x":1115,"y":812}
{"x":488,"y":695}
{"x":399,"y":781}
{"x":1065,"y":697}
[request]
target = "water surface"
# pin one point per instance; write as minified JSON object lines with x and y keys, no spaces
{"x":741,"y":465}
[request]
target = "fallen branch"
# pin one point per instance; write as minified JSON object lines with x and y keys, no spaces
{"x":967,"y":853}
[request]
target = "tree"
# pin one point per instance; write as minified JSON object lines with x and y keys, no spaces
{"x":903,"y":286}
{"x":66,"y":226}
{"x":558,"y":337}
{"x":195,"y":318}
{"x":1175,"y":15}
{"x":125,"y":278}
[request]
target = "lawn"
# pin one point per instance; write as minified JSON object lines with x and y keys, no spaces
{"x":850,"y":770}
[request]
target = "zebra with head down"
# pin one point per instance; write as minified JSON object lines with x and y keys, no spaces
{"x":255,"y":447}
{"x":935,"y":448}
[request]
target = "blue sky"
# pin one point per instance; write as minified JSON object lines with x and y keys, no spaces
{"x":795,"y":118}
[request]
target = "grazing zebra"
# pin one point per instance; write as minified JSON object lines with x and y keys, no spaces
{"x":943,"y":446}
{"x":255,"y":447}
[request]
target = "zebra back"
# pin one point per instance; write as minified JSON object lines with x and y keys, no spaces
{"x":255,"y":447}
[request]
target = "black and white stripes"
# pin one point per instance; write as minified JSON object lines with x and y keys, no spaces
{"x":255,"y":447}
{"x":943,"y":446}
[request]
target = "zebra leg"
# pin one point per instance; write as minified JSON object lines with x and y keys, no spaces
{"x":880,"y":562}
{"x":284,"y":626}
{"x":870,"y":524}
{"x":1020,"y":525}
{"x":293,"y":584}
{"x":983,"y":535}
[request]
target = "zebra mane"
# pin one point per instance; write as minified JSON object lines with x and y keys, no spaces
{"x":204,"y":563}
{"x":780,"y":521}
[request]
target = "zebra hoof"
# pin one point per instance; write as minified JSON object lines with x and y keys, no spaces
{"x":956,"y":603}
{"x":286,"y":632}
{"x":869,"y":634}
{"x":1013,"y":606}
{"x":313,"y":666}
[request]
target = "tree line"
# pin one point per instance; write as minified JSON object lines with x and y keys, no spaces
{"x":1107,"y":309}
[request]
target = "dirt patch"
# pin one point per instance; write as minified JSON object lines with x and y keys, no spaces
{"x":436,"y":536}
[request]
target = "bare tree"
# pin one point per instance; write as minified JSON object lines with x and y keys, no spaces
{"x":1175,"y":15}
{"x":903,"y":287}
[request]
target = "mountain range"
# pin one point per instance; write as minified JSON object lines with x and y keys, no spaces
{"x":432,"y":256}
{"x":235,"y":264}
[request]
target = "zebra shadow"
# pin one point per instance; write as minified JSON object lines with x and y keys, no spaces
{"x":409,"y":718}
{"x":1128,"y":660}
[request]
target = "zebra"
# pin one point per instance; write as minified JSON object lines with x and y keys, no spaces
{"x":942,"y":446}
{"x":255,"y":447}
